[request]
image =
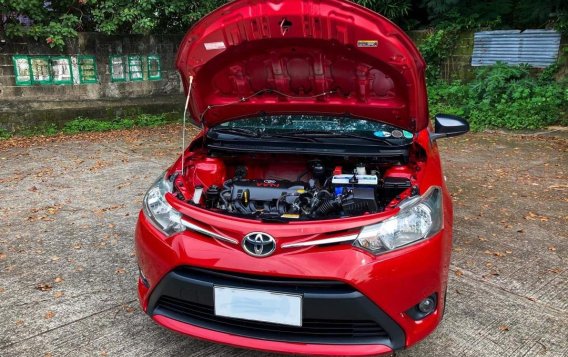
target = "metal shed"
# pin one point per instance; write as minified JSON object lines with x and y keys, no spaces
{"x":538,"y":48}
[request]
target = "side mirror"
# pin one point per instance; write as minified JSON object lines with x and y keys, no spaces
{"x":447,"y":125}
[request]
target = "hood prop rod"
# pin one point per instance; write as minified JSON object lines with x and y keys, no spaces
{"x":184,"y":121}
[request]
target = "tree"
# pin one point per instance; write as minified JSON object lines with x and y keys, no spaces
{"x":147,"y":16}
{"x":392,"y":9}
{"x":519,"y":14}
{"x":52,"y":21}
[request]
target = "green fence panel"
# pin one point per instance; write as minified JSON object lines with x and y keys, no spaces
{"x":40,"y":70}
{"x":87,"y":69}
{"x":61,"y":70}
{"x":135,"y":68}
{"x":22,"y":70}
{"x":117,"y":69}
{"x":154,"y":67}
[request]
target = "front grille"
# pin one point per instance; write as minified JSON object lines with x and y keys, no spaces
{"x":264,"y":282}
{"x":310,"y":327}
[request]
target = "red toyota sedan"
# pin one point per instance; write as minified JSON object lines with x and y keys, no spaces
{"x":310,"y":215}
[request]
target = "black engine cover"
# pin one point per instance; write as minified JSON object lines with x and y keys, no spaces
{"x":267,"y":190}
{"x":360,"y":200}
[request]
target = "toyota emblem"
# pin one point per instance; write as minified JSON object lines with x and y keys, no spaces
{"x":259,"y":244}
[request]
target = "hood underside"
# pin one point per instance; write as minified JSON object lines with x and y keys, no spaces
{"x":253,"y":57}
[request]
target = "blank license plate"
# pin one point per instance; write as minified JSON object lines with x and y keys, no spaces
{"x":258,"y":305}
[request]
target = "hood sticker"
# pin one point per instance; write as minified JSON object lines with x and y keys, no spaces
{"x":209,"y":46}
{"x":367,"y":43}
{"x":397,"y":134}
{"x":382,"y":134}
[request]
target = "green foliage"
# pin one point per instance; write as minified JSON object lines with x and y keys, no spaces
{"x":150,"y":16}
{"x":4,"y":134}
{"x":45,"y":129}
{"x":504,"y":97}
{"x":53,"y":22}
{"x":441,"y":41}
{"x":80,"y":125}
{"x":158,"y":16}
{"x":392,"y":9}
{"x":436,"y":48}
{"x":561,"y":22}
{"x":57,"y":21}
{"x":519,"y":14}
{"x":151,"y":120}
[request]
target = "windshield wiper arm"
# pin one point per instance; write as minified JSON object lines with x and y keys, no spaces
{"x":237,"y":131}
{"x":258,"y":134}
{"x":326,"y":134}
{"x":290,"y":136}
{"x":306,"y":135}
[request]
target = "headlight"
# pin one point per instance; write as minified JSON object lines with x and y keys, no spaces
{"x":419,"y":218}
{"x":158,"y":210}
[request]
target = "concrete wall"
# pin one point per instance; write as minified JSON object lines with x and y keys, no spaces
{"x":32,"y":105}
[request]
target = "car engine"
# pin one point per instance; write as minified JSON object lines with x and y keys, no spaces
{"x":318,"y":193}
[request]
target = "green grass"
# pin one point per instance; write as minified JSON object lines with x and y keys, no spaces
{"x":4,"y":134}
{"x":46,"y":130}
{"x":83,"y":125}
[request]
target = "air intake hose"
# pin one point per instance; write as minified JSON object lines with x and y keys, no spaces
{"x":327,"y":207}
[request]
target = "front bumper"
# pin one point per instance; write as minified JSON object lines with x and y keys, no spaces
{"x":272,"y":346}
{"x":333,"y":312}
{"x":366,"y":295}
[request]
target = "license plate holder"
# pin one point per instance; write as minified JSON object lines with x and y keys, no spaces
{"x":258,"y":305}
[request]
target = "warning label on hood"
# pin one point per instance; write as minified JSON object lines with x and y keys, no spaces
{"x":367,"y":43}
{"x":214,"y":45}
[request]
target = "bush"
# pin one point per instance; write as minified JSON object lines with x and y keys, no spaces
{"x":4,"y":134}
{"x":150,"y":120}
{"x":436,"y":47}
{"x":504,"y":97}
{"x":44,"y":129}
{"x":80,"y":125}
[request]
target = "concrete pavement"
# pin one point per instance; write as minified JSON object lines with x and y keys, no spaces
{"x":68,"y":272}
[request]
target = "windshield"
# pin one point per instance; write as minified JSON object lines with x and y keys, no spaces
{"x":316,"y":124}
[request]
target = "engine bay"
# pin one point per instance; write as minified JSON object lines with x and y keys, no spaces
{"x":283,"y":187}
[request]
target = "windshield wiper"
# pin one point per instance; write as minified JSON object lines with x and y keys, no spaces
{"x":237,"y":131}
{"x":257,"y":134}
{"x":327,"y":134}
{"x":289,"y":136}
{"x":305,"y":135}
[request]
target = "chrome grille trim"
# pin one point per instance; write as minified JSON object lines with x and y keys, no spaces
{"x":207,"y":232}
{"x":348,"y":238}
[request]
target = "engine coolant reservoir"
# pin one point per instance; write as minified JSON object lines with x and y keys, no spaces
{"x":209,"y":171}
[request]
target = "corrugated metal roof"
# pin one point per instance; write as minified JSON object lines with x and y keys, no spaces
{"x":539,"y":48}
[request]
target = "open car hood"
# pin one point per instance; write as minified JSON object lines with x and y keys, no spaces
{"x":302,"y":56}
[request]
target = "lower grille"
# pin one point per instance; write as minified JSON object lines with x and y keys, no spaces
{"x":310,"y":327}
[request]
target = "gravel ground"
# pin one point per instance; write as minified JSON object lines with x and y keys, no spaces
{"x":68,"y":271}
